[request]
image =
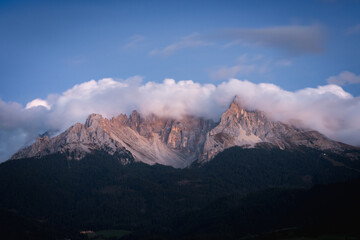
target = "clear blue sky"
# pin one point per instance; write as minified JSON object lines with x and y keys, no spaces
{"x":49,"y":46}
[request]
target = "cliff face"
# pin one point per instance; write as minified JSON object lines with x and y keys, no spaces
{"x":186,"y":135}
{"x":149,"y":139}
{"x":176,"y":142}
{"x":241,"y":127}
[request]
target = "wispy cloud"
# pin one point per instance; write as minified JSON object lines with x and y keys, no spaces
{"x":328,"y":109}
{"x":284,"y":62}
{"x":246,"y":65}
{"x":134,"y":42}
{"x":191,"y":41}
{"x":225,"y":72}
{"x":353,"y":30}
{"x":75,"y":61}
{"x":291,"y":39}
{"x":294,"y":39}
{"x":345,"y":77}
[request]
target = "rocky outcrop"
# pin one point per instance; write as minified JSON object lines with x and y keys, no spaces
{"x":149,"y":139}
{"x":241,"y":127}
{"x":176,"y":142}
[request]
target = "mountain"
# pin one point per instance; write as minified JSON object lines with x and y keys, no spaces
{"x":177,"y":142}
{"x":255,"y":179}
{"x":148,"y":139}
{"x":241,"y":127}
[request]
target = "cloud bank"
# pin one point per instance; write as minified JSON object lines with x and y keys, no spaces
{"x":328,"y":109}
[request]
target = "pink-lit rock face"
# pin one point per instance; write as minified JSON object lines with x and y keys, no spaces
{"x":241,"y":127}
{"x":150,"y":139}
{"x":176,"y":142}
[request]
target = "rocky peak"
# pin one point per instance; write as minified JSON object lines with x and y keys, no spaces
{"x":242,"y":127}
{"x":234,"y":111}
{"x":175,"y":142}
{"x":134,"y":121}
{"x":238,"y":117}
{"x":236,"y":103}
{"x":120,"y":120}
{"x":43,"y":138}
{"x":93,"y":120}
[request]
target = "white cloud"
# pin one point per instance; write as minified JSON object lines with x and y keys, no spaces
{"x":18,"y":126}
{"x":38,"y":103}
{"x":190,"y":41}
{"x":328,"y":109}
{"x":345,"y":77}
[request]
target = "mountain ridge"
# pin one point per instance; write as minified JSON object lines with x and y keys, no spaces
{"x":177,"y":142}
{"x":241,"y":127}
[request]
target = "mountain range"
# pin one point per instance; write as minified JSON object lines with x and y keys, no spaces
{"x":151,"y":177}
{"x":177,"y":142}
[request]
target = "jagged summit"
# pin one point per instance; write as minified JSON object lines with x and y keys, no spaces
{"x":93,"y":119}
{"x":176,"y":142}
{"x":236,"y":102}
{"x":241,"y":127}
{"x":149,"y":139}
{"x":237,"y":109}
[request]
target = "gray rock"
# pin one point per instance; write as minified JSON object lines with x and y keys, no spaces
{"x":177,"y":142}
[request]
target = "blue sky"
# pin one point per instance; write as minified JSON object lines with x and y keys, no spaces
{"x":63,"y":60}
{"x":47,"y":47}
